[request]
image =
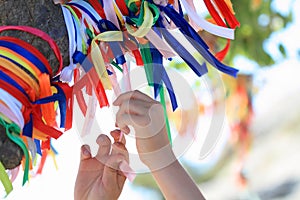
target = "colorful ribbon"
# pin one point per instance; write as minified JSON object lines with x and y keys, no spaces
{"x":100,"y":34}
{"x":27,"y":108}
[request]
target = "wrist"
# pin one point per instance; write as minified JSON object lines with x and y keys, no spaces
{"x":158,"y":159}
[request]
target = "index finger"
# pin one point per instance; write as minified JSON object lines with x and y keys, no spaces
{"x":132,"y":95}
{"x":118,"y":137}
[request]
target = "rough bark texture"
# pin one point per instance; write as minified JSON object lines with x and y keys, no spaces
{"x":10,"y":153}
{"x":46,"y":16}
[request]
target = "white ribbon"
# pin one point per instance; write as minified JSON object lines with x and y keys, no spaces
{"x":88,"y":7}
{"x":31,"y":147}
{"x":71,"y":32}
{"x":160,"y":44}
{"x":110,"y":12}
{"x":90,"y":115}
{"x":14,"y":105}
{"x":209,"y":27}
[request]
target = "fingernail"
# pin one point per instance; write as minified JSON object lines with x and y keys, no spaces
{"x":127,"y":171}
{"x":85,"y":151}
{"x":99,"y":139}
{"x":126,"y":129}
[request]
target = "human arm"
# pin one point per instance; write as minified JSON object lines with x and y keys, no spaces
{"x":146,"y":117}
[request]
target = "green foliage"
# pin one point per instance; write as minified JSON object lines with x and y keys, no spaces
{"x":257,"y":25}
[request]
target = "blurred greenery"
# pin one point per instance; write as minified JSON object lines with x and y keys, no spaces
{"x":258,"y":21}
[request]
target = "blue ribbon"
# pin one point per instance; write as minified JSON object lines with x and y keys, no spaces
{"x":62,"y":105}
{"x":101,"y":2}
{"x":84,"y":10}
{"x":109,"y":72}
{"x":12,"y":82}
{"x":193,"y":37}
{"x":61,"y":98}
{"x":21,"y":67}
{"x":160,"y":76}
{"x":106,"y":25}
{"x":79,"y":57}
{"x":182,"y":52}
{"x":28,"y":127}
{"x":83,"y":60}
{"x":26,"y":54}
{"x":52,"y":148}
{"x":38,"y":146}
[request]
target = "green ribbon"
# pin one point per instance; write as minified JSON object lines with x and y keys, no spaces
{"x":147,"y":59}
{"x":155,"y":11}
{"x":5,"y":179}
{"x":116,"y":65}
{"x":13,"y":133}
{"x":163,"y":102}
{"x":90,"y":33}
{"x":131,"y":5}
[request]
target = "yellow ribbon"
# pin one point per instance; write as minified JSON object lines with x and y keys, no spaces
{"x":52,"y":154}
{"x":20,"y":73}
{"x":5,"y":118}
{"x":96,"y":55}
{"x":5,"y":180}
{"x":19,"y":59}
{"x":37,"y":134}
{"x":146,"y":25}
{"x":119,"y":13}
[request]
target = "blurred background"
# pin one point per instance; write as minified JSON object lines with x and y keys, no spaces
{"x":256,"y":156}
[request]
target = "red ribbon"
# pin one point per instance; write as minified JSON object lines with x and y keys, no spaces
{"x":214,"y":13}
{"x":32,"y":50}
{"x":29,"y":90}
{"x":42,"y":35}
{"x":68,"y":91}
{"x":221,"y":54}
{"x":97,"y":6}
{"x":229,"y":17}
{"x":30,"y":108}
{"x":122,"y":6}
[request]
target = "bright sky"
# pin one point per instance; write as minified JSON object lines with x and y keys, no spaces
{"x":59,"y":184}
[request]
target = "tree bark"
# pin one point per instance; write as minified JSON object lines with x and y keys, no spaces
{"x":48,"y":17}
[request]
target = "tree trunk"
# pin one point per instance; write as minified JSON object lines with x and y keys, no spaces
{"x":46,"y":16}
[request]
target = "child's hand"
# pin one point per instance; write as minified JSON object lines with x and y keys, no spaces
{"x":98,"y":177}
{"x":147,"y":118}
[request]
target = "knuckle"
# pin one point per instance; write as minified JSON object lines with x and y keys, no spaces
{"x":135,"y":93}
{"x":118,"y":146}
